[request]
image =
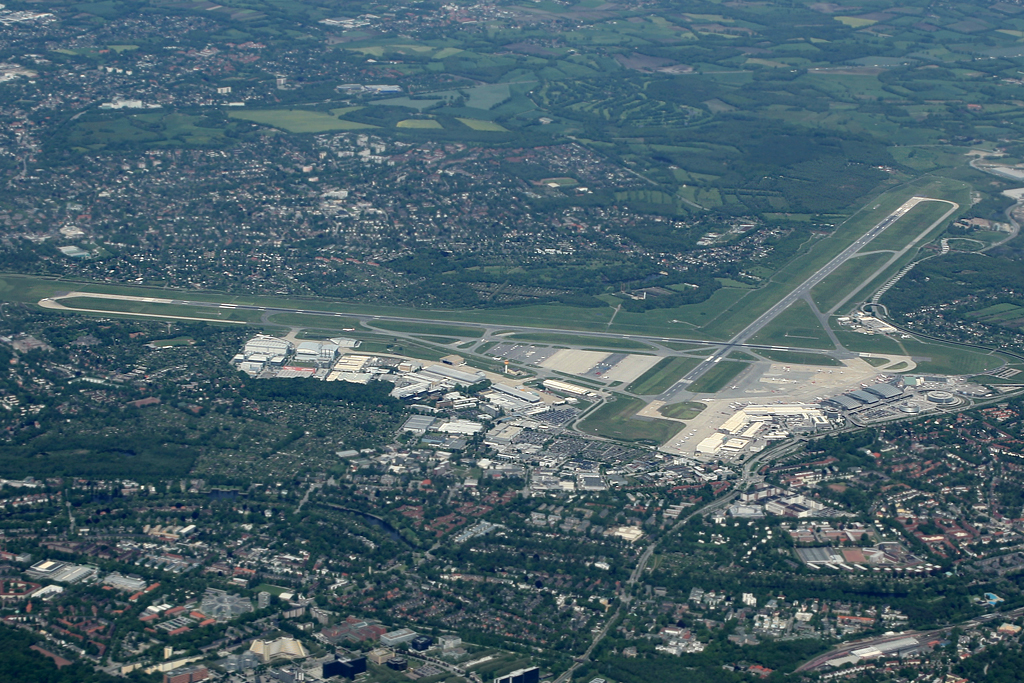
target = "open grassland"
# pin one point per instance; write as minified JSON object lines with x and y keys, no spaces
{"x":614,"y":420}
{"x":481,"y":125}
{"x":327,"y":322}
{"x":298,"y":120}
{"x":424,"y":124}
{"x":949,"y":360}
{"x":847,"y":279}
{"x":684,"y":320}
{"x":667,"y":372}
{"x":425,"y":328}
{"x":868,"y":343}
{"x":796,"y":326}
{"x":683,"y":411}
{"x":907,"y":228}
{"x":799,"y":358}
{"x":718,"y":377}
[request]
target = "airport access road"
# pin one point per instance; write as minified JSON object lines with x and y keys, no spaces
{"x":798,"y":292}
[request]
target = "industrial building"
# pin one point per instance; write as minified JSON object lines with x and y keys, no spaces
{"x":446,"y":372}
{"x":518,"y":394}
{"x":566,"y":388}
{"x":321,"y":353}
{"x":419,"y":424}
{"x":60,"y":572}
{"x":267,"y":346}
{"x":462,"y":427}
{"x":129,"y":583}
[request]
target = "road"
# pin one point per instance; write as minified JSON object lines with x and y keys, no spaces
{"x":923,"y":636}
{"x":799,"y":292}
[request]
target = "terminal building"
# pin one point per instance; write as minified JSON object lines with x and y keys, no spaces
{"x":875,"y":393}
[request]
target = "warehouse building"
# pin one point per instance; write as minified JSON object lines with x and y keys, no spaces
{"x":566,"y":388}
{"x":267,"y":346}
{"x":316,"y":352}
{"x":527,"y":396}
{"x":460,"y":377}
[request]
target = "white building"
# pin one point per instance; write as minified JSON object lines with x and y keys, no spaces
{"x":267,"y":346}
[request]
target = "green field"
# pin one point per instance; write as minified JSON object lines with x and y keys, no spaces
{"x":796,"y":326}
{"x":847,"y":279}
{"x":614,"y":420}
{"x":718,"y":377}
{"x":949,"y":360}
{"x":570,"y":340}
{"x":909,"y":226}
{"x":683,"y":411}
{"x":425,"y":124}
{"x":298,"y":120}
{"x":177,"y":341}
{"x":667,"y":372}
{"x":799,"y":358}
{"x":481,"y":125}
{"x":156,"y":129}
{"x":438,"y":340}
{"x":329,"y":322}
{"x":869,"y":343}
{"x":426,"y":328}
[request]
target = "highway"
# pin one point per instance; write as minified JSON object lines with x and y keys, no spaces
{"x":799,"y":292}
